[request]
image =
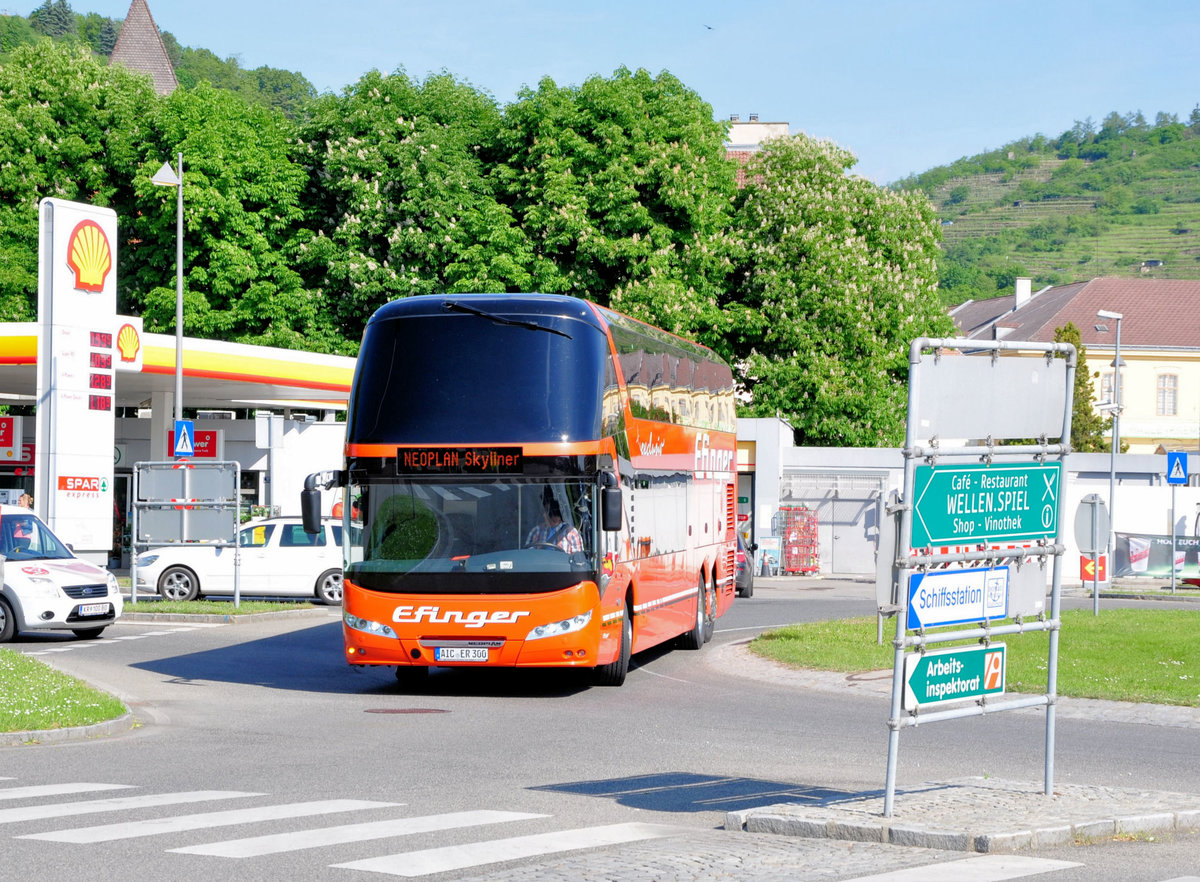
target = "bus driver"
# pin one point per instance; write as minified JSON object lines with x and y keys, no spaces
{"x":553,"y":531}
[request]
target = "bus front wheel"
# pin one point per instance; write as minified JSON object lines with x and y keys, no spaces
{"x":614,"y":674}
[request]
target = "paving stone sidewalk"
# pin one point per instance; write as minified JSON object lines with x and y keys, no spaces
{"x":980,"y":815}
{"x":973,"y":814}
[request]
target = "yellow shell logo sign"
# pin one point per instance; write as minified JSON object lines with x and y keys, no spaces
{"x":128,"y":342}
{"x":89,"y":256}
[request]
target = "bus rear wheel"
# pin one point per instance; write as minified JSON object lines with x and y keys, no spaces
{"x":614,"y":674}
{"x":694,"y":639}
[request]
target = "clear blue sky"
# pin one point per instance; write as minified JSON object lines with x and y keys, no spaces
{"x":905,"y":86}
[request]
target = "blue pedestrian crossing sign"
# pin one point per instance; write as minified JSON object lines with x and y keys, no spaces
{"x":185,"y":434}
{"x":1177,"y":471}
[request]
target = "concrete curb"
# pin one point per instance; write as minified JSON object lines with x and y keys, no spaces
{"x":118,"y":726}
{"x":223,"y":618}
{"x":980,"y":815}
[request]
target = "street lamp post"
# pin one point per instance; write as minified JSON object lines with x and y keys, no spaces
{"x":166,"y":177}
{"x":1116,"y":438}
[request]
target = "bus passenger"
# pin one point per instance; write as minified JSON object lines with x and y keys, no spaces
{"x":552,"y":530}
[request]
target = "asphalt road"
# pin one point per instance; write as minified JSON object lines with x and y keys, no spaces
{"x":271,"y":734}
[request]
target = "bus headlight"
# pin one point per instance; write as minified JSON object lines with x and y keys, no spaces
{"x":566,"y":626}
{"x":354,"y":623}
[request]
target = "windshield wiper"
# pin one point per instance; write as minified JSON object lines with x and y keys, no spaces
{"x":501,"y":320}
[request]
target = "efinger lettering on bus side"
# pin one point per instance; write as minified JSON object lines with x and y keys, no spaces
{"x":490,"y":506}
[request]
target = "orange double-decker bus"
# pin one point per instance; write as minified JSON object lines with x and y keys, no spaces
{"x":541,"y":482}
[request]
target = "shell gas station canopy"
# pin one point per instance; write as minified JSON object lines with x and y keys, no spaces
{"x":215,"y":374}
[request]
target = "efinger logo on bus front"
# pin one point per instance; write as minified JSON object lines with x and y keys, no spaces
{"x":709,"y":459}
{"x":476,"y":618}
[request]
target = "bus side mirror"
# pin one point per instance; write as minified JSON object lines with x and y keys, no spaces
{"x":310,"y":510}
{"x":310,"y":497}
{"x":610,"y":503}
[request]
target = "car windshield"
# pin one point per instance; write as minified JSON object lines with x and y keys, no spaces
{"x":24,"y":537}
{"x":480,"y":527}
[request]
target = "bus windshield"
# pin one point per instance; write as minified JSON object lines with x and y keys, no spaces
{"x":494,"y":529}
{"x":459,"y":376}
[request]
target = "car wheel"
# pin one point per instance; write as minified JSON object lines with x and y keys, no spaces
{"x":748,"y":588}
{"x":88,"y":633}
{"x":178,"y":583}
{"x":8,"y":623}
{"x":614,"y":674}
{"x":329,"y":587}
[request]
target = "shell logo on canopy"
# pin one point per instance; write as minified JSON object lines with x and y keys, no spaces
{"x":129,"y":341}
{"x":89,"y":256}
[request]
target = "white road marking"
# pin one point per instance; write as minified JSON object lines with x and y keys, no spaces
{"x":205,"y":820}
{"x":123,"y":803}
{"x":477,"y":854}
{"x":987,"y":868}
{"x":56,"y":789}
{"x":261,"y":845}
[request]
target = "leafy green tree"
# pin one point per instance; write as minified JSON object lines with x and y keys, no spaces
{"x":99,"y":32}
{"x":242,"y":191}
{"x":199,"y":65}
{"x":399,"y":198}
{"x":54,"y":18}
{"x":623,"y":187}
{"x":284,"y":90}
{"x":15,"y":31}
{"x":839,"y":277}
{"x":71,"y":128}
{"x":1088,"y":428}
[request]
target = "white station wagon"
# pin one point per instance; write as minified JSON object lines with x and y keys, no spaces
{"x":278,"y":559}
{"x":44,"y":586}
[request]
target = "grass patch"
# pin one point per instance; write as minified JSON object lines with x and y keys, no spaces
{"x":1120,"y":655}
{"x":211,"y":607}
{"x":36,"y":696}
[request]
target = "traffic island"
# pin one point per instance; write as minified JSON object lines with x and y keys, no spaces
{"x":982,"y":815}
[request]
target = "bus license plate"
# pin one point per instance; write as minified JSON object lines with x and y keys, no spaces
{"x":460,"y":653}
{"x":93,"y":609}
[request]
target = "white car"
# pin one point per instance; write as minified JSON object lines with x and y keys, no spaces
{"x":44,"y":586}
{"x":278,"y":559}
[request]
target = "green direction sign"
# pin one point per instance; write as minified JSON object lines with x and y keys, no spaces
{"x":954,"y":674}
{"x":965,"y":505}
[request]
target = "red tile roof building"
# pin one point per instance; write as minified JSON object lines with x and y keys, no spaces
{"x":1160,"y":346}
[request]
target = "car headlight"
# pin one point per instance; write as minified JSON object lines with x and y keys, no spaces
{"x":40,"y":586}
{"x":145,"y":560}
{"x":354,"y":623}
{"x":556,"y":629}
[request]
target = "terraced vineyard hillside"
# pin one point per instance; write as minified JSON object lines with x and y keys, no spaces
{"x":1030,"y":212}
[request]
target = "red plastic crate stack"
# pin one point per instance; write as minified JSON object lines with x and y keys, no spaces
{"x":800,"y":550}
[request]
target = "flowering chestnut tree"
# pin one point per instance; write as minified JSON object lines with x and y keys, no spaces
{"x":836,"y":277}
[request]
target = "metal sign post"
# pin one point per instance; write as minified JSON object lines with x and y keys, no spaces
{"x":1176,"y":475}
{"x":1091,"y":535}
{"x":978,"y":517}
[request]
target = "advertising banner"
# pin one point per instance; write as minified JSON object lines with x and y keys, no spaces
{"x":1148,"y":554}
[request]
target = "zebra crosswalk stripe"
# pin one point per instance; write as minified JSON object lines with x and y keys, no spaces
{"x":258,"y":846}
{"x":476,"y":854}
{"x":118,"y":803}
{"x":205,"y":820}
{"x":36,"y":790}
